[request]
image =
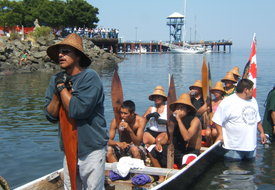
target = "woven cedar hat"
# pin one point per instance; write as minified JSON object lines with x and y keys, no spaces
{"x":185,"y":100}
{"x":229,"y":76}
{"x":158,"y":91}
{"x":73,"y":40}
{"x":218,"y":86}
{"x":197,"y":83}
{"x":236,"y":71}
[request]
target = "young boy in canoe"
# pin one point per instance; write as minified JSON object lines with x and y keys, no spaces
{"x":130,"y":129}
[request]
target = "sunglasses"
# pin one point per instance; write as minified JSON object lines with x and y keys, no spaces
{"x":64,"y":51}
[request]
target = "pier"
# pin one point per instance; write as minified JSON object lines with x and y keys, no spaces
{"x":141,"y":47}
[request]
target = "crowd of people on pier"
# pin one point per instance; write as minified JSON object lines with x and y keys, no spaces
{"x":79,"y":91}
{"x":92,"y":32}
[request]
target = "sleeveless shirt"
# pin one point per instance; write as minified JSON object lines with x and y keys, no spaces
{"x":153,"y":124}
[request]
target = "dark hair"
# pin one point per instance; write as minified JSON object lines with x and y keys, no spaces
{"x":244,"y":84}
{"x":130,"y":105}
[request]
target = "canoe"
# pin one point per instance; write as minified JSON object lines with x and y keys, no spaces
{"x":175,"y":178}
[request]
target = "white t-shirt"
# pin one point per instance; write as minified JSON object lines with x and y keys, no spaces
{"x":239,"y":120}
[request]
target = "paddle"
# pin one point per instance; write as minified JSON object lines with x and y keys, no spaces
{"x":170,"y":99}
{"x":69,"y":138}
{"x":117,"y":96}
{"x":205,"y":80}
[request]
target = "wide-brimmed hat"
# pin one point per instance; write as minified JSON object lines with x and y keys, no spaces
{"x":229,"y":76}
{"x":158,"y":91}
{"x":236,"y":71}
{"x":73,"y":40}
{"x":185,"y":100}
{"x":197,"y":83}
{"x":218,"y":86}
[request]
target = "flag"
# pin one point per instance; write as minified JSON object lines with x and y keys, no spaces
{"x":250,"y":69}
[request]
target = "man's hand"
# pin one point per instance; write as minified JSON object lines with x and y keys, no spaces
{"x":179,"y":114}
{"x":263,"y":138}
{"x":63,"y":78}
{"x":122,"y":145}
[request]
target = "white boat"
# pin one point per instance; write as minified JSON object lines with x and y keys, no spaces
{"x":187,"y":49}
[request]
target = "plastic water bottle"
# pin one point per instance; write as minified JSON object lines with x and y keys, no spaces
{"x":268,"y":142}
{"x":174,"y":114}
{"x":121,"y":128}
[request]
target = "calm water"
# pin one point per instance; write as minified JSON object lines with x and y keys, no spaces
{"x":28,"y":141}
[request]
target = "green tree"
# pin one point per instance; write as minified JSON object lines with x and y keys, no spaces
{"x":79,"y":13}
{"x":9,"y":13}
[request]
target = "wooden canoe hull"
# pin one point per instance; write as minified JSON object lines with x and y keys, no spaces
{"x":186,"y":175}
{"x":179,"y":178}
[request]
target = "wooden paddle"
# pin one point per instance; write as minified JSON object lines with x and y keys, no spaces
{"x":170,"y":99}
{"x":69,"y":138}
{"x":117,"y":96}
{"x":205,"y":80}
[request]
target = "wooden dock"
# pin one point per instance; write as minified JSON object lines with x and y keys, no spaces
{"x":142,"y":47}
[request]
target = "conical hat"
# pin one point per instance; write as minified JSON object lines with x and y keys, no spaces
{"x":218,"y":86}
{"x":197,"y":83}
{"x":72,"y":40}
{"x":158,"y":91}
{"x":235,"y":71}
{"x":183,"y":99}
{"x":229,"y":76}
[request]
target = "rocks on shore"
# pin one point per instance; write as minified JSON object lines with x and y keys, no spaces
{"x":37,"y":60}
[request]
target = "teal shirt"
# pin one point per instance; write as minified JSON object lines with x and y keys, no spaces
{"x":269,"y":107}
{"x":86,"y":107}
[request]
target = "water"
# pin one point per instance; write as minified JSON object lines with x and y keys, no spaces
{"x":29,"y":143}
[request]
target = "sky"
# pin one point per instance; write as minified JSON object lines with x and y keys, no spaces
{"x":234,"y":20}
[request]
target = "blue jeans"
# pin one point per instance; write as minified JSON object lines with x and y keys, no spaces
{"x":91,"y":171}
{"x":235,"y":155}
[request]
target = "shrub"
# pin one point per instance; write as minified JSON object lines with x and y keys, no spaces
{"x":14,"y":36}
{"x":42,"y":31}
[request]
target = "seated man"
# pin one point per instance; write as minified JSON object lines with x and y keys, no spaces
{"x":229,"y":84}
{"x":187,"y":132}
{"x":130,"y":131}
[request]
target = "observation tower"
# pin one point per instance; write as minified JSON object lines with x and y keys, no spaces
{"x":175,"y":23}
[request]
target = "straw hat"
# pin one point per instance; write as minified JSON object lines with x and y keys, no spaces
{"x":235,"y":71}
{"x":158,"y":91}
{"x":185,"y":100}
{"x":197,"y":83}
{"x":218,"y":86}
{"x":72,"y":40}
{"x":229,"y":76}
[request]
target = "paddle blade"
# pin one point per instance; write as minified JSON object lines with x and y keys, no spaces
{"x":170,"y":99}
{"x":205,"y":80}
{"x":70,"y":141}
{"x":117,"y":95}
{"x":210,"y":86}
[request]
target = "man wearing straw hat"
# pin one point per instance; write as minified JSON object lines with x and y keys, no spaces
{"x":81,"y":93}
{"x":236,"y":73}
{"x":196,"y":97}
{"x":187,"y":132}
{"x":229,"y":82}
{"x":237,"y":119}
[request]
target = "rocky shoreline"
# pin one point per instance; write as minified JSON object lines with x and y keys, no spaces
{"x":11,"y":52}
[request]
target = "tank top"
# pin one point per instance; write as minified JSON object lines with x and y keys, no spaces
{"x":153,"y":124}
{"x":178,"y":140}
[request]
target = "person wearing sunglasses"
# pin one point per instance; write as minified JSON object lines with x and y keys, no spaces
{"x":79,"y":91}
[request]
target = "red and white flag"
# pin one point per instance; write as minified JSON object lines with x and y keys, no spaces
{"x":250,"y":70}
